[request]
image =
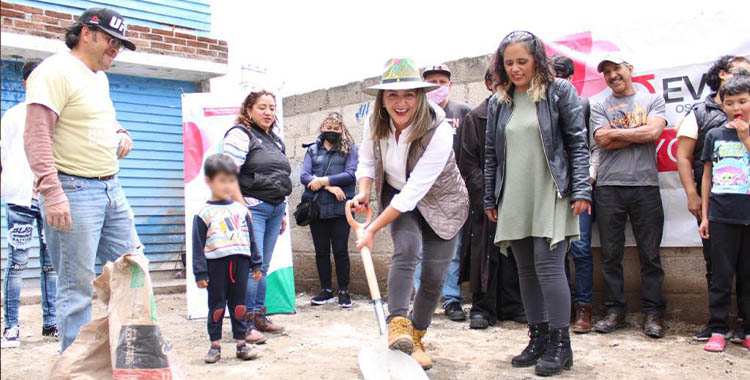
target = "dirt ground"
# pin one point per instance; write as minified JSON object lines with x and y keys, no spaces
{"x":323,"y":342}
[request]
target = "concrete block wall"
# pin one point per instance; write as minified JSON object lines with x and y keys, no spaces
{"x":684,"y":286}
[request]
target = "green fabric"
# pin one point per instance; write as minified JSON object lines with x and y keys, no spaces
{"x":529,"y":206}
{"x":280,"y":296}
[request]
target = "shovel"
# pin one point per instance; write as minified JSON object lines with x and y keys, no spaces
{"x":380,"y":362}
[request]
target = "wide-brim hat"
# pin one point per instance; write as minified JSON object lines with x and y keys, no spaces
{"x":400,"y":74}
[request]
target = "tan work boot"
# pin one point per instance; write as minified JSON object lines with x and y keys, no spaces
{"x":264,"y":324}
{"x":582,"y":324}
{"x":400,"y":335}
{"x":252,"y":335}
{"x":419,"y":353}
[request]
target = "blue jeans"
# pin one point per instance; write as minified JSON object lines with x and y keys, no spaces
{"x":583,"y":261}
{"x":103,"y":227}
{"x":20,"y":233}
{"x":451,"y":288}
{"x":267,"y":220}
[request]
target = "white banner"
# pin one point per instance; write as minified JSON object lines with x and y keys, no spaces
{"x":681,"y":85}
{"x":205,"y":119}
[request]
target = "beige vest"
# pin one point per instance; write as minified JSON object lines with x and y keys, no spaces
{"x":445,"y":207}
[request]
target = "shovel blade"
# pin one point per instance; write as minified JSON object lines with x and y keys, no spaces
{"x":382,"y":363}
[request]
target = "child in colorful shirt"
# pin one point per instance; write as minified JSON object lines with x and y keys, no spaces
{"x":224,"y":251}
{"x":726,"y":208}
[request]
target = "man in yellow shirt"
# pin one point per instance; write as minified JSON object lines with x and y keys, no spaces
{"x":73,"y":141}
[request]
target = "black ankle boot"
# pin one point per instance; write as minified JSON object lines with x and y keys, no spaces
{"x":539,"y":335}
{"x":558,"y":355}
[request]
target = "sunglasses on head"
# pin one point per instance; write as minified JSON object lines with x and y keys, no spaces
{"x":739,"y":71}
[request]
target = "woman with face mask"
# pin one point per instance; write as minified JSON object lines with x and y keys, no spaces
{"x":406,"y":152}
{"x":536,"y":183}
{"x":328,"y":171}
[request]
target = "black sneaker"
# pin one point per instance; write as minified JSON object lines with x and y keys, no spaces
{"x":739,"y":332}
{"x":454,"y":312}
{"x":345,"y":301}
{"x":50,"y":331}
{"x":213,"y":355}
{"x":325,"y":296}
{"x":704,"y":335}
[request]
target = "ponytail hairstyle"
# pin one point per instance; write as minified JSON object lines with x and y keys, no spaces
{"x":243,"y":118}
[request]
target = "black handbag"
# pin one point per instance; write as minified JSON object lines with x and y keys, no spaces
{"x":307,"y":209}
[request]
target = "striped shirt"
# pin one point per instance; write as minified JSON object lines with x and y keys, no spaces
{"x":221,"y":229}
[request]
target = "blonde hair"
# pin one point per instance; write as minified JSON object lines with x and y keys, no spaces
{"x":424,"y":118}
{"x":537,"y":91}
{"x":345,"y":143}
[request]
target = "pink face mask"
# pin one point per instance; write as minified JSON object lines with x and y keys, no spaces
{"x":439,"y":94}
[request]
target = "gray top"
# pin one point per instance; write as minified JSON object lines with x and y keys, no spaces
{"x":529,"y":206}
{"x":634,"y":165}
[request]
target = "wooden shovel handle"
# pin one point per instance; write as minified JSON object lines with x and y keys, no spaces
{"x":359,"y":229}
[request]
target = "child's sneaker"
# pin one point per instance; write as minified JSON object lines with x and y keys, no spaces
{"x":245,"y":352}
{"x":345,"y":301}
{"x":746,"y":343}
{"x":11,"y":338}
{"x":213,"y":355}
{"x":325,"y":296}
{"x":50,"y":331}
{"x":717,"y":343}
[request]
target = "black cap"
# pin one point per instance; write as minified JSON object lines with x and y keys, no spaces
{"x":109,"y":22}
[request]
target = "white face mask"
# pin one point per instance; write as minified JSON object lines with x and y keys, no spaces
{"x":439,"y":94}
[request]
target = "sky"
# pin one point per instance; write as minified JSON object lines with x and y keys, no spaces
{"x":307,"y":45}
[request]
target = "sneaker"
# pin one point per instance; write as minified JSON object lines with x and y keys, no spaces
{"x":50,"y":331}
{"x":704,"y":335}
{"x":739,"y":332}
{"x":325,"y":296}
{"x":746,"y":343}
{"x":717,"y":343}
{"x":455,"y":312}
{"x":213,"y":355}
{"x":11,"y":338}
{"x":246,"y":352}
{"x":345,"y":301}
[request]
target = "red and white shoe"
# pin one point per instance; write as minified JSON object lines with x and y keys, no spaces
{"x":717,"y":343}
{"x":746,"y":343}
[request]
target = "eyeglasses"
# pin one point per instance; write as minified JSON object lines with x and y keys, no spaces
{"x":113,"y":42}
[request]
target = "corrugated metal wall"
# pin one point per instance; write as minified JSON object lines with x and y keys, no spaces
{"x":151,"y":175}
{"x":192,"y":14}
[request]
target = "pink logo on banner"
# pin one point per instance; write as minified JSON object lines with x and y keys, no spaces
{"x":194,"y":147}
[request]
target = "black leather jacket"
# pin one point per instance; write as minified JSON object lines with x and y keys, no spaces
{"x":563,"y":138}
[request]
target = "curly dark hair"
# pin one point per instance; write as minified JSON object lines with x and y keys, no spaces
{"x":544,"y":72}
{"x":712,"y":76}
{"x":243,"y":118}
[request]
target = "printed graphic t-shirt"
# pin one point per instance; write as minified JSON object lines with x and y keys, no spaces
{"x":454,"y":114}
{"x":730,"y":177}
{"x":85,"y":138}
{"x":634,"y":165}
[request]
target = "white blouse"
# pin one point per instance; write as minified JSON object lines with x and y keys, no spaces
{"x":425,"y":172}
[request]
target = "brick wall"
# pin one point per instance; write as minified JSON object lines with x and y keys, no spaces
{"x":168,"y":40}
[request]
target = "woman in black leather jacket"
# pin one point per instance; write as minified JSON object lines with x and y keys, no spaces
{"x":536,"y":183}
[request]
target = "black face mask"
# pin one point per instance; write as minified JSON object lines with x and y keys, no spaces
{"x":331,"y":137}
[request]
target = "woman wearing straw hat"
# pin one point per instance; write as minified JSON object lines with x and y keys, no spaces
{"x":536,"y":183}
{"x":407,"y":151}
